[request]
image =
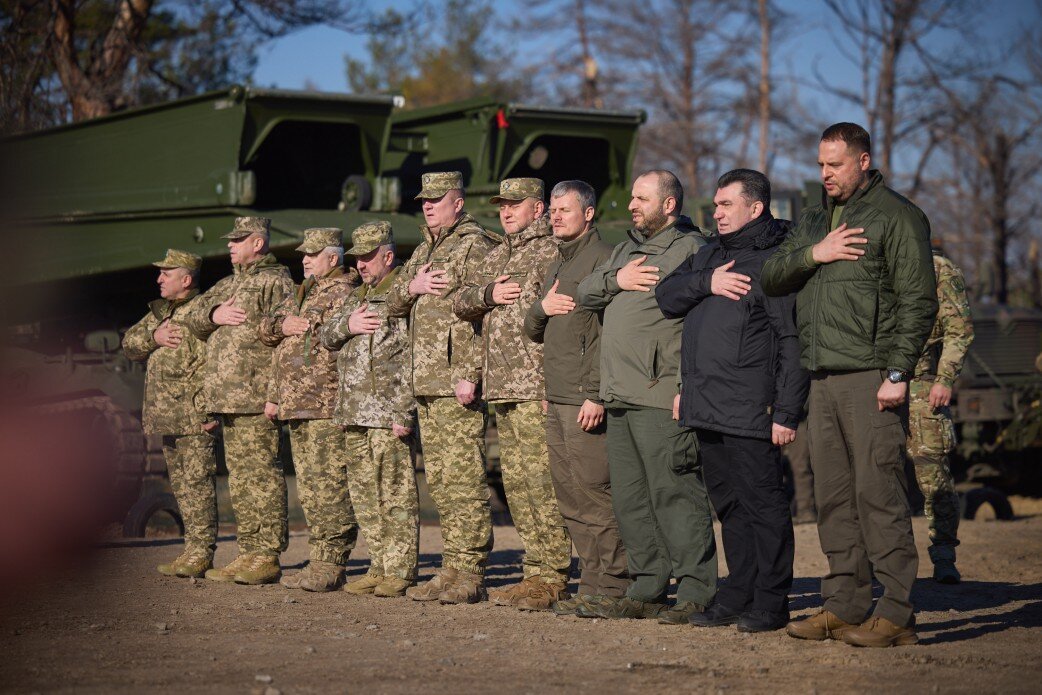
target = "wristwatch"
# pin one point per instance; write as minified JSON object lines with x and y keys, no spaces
{"x":896,"y":376}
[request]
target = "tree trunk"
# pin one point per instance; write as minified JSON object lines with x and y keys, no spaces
{"x":765,"y":86}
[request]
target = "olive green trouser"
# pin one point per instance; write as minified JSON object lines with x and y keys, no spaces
{"x":256,"y":482}
{"x":320,"y":459}
{"x":192,"y":467}
{"x":864,"y":523}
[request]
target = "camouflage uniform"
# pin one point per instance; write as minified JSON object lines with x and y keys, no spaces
{"x":374,"y":394}
{"x":445,"y":350}
{"x":304,"y":385}
{"x":174,"y":409}
{"x":514,"y":385}
{"x":931,"y":435}
{"x":237,"y":377}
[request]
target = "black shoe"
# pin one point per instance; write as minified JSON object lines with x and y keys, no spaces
{"x":715,"y":616}
{"x":762,"y":621}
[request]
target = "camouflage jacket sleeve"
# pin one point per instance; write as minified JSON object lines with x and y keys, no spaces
{"x":403,"y":410}
{"x":270,"y":330}
{"x":469,"y":262}
{"x":473,"y":300}
{"x":399,"y":301}
{"x":955,"y":321}
{"x":198,"y":319}
{"x":334,"y":332}
{"x":138,"y":342}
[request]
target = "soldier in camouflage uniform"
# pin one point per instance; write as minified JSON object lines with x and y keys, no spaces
{"x":303,"y":393}
{"x":376,"y":408}
{"x":499,"y":294}
{"x":237,"y":376}
{"x":931,"y":435}
{"x":446,"y":373}
{"x":174,"y":408}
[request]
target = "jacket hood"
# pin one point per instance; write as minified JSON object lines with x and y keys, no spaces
{"x":539,"y":228}
{"x":764,"y":232}
{"x":466,"y":224}
{"x":664,"y":237}
{"x":266,"y":262}
{"x":161,"y":308}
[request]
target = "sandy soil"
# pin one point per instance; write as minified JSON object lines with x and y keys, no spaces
{"x":115,"y":625}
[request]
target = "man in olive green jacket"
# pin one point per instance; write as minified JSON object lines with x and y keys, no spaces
{"x":658,"y":494}
{"x":865,"y":305}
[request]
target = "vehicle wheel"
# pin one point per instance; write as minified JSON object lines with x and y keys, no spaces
{"x":356,"y":193}
{"x":145,"y":508}
{"x":973,"y":499}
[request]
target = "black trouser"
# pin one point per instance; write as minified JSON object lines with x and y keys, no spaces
{"x":744,"y":478}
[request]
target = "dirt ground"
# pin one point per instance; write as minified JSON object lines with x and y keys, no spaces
{"x":116,"y":625}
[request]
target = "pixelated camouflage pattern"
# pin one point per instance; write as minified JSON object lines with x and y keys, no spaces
{"x":931,"y":438}
{"x":304,"y":378}
{"x":518,"y":189}
{"x":435,"y":184}
{"x":513,"y":363}
{"x":370,"y":236}
{"x":453,"y":442}
{"x":320,"y":460}
{"x":192,"y":466}
{"x":256,"y":483}
{"x":245,"y":226}
{"x":445,"y":349}
{"x":319,"y":238}
{"x":174,"y":377}
{"x":383,"y":488}
{"x":238,"y":365}
{"x":374,"y":387}
{"x":176,"y":258}
{"x":530,"y":492}
{"x":945,"y":350}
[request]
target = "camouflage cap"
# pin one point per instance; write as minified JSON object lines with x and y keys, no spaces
{"x":245,"y":226}
{"x":369,"y":236}
{"x":518,"y":189}
{"x":180,"y":259}
{"x":318,"y":238}
{"x":437,"y":183}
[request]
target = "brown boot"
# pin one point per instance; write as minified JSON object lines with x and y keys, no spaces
{"x":364,"y":584}
{"x":432,"y":588}
{"x":260,"y":568}
{"x":191,"y":563}
{"x":543,"y":596}
{"x":509,"y":596}
{"x":317,"y":576}
{"x":880,"y":632}
{"x":227,"y":573}
{"x":466,"y":588}
{"x":392,"y":587}
{"x":820,"y":626}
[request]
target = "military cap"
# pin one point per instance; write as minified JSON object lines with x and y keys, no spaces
{"x":518,"y":189}
{"x":180,"y":259}
{"x":369,"y":236}
{"x":318,"y":238}
{"x":437,"y":183}
{"x":245,"y":226}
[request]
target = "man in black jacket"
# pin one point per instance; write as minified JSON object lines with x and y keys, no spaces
{"x":743,"y":390}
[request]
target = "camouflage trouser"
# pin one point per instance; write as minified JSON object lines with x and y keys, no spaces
{"x":258,"y":488}
{"x":453,"y":440}
{"x":320,"y":459}
{"x":530,"y":490}
{"x":383,"y":488}
{"x":931,"y":437}
{"x":192,"y":467}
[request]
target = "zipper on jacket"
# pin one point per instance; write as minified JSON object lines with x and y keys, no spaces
{"x":582,"y":356}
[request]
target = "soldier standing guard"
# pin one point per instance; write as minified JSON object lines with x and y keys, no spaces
{"x":499,"y":294}
{"x":931,"y":434}
{"x":303,"y":392}
{"x":174,"y":408}
{"x":446,"y":373}
{"x":376,"y":407}
{"x":238,"y":373}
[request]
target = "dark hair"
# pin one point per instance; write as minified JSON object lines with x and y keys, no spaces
{"x":582,"y":190}
{"x":755,"y":186}
{"x":856,"y":137}
{"x":668,"y":186}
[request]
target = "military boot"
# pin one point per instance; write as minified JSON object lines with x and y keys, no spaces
{"x":465,"y":588}
{"x":623,"y":608}
{"x":945,"y":572}
{"x":227,"y":573}
{"x":432,"y":588}
{"x":570,"y":606}
{"x":392,"y":587}
{"x":540,"y":598}
{"x":365,"y":584}
{"x":260,"y":568}
{"x":820,"y":626}
{"x":193,"y":563}
{"x":880,"y":632}
{"x":510,"y":595}
{"x":317,"y":576}
{"x":678,"y":613}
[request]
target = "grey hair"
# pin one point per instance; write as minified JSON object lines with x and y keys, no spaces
{"x":582,"y":190}
{"x":338,"y":250}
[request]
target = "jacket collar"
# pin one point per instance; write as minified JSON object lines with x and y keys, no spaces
{"x":268,"y":260}
{"x":570,"y":249}
{"x":875,"y":180}
{"x":763,"y":232}
{"x":665,"y":237}
{"x":539,"y":228}
{"x":383,"y":286}
{"x":162,"y":308}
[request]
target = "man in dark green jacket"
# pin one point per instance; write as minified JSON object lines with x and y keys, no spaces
{"x":865,"y":305}
{"x":658,"y":494}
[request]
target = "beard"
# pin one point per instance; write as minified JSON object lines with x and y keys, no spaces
{"x":651,"y":223}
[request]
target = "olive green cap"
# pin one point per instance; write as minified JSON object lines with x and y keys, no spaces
{"x":437,"y":183}
{"x":245,"y":226}
{"x":518,"y":189}
{"x":180,"y":259}
{"x":370,"y":236}
{"x":318,"y":238}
